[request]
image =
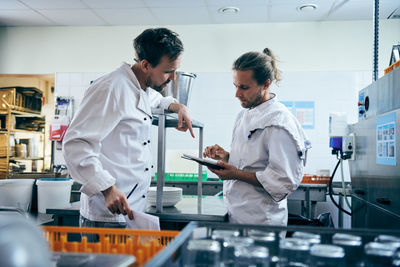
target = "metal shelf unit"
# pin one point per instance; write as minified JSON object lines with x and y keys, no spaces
{"x":165,"y":119}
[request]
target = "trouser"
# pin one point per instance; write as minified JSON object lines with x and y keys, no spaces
{"x":92,"y":238}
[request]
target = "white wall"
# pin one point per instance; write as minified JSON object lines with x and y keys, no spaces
{"x":303,"y":46}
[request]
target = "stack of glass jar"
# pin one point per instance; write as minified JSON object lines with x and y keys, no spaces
{"x":262,"y":249}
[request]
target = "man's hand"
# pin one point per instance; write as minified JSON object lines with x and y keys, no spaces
{"x":216,"y":152}
{"x":183,"y":116}
{"x":229,"y":172}
{"x":116,"y":201}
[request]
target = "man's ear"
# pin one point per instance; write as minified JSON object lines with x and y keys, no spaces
{"x":267,"y":84}
{"x":144,"y":65}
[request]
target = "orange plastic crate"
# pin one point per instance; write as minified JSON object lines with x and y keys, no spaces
{"x":143,"y":244}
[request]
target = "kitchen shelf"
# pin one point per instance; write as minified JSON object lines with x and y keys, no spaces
{"x":19,"y":108}
{"x":165,"y":119}
{"x":25,"y":131}
{"x":26,"y":158}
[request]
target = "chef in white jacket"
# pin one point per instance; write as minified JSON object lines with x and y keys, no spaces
{"x":107,"y":145}
{"x":268,"y":148}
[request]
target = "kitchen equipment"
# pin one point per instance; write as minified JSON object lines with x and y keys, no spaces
{"x":181,"y":87}
{"x":53,"y":193}
{"x":16,"y":193}
{"x":21,"y":243}
{"x":375,"y":170}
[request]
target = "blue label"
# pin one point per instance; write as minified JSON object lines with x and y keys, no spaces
{"x":386,"y":139}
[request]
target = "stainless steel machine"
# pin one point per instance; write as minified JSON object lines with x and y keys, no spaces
{"x":375,"y":170}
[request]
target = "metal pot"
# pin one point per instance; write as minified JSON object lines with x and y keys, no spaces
{"x":181,"y":87}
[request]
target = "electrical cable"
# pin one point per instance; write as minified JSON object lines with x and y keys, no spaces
{"x":343,"y":185}
{"x":331,"y":191}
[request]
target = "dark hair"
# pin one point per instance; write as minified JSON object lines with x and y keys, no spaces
{"x":262,"y":64}
{"x":153,"y":44}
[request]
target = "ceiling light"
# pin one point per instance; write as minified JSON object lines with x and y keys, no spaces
{"x":307,"y":7}
{"x":229,"y":10}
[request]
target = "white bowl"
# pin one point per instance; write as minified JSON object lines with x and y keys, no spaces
{"x":171,"y":196}
{"x":16,"y":193}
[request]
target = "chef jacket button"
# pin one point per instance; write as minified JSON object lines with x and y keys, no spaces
{"x":145,"y":118}
{"x":148,"y":141}
{"x":152,"y":166}
{"x":146,"y":169}
{"x":143,"y":196}
{"x":144,"y":143}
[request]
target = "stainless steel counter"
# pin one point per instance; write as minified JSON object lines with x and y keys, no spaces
{"x":184,"y":211}
{"x":212,"y":210}
{"x":211,"y":207}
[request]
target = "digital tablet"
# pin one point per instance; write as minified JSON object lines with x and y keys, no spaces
{"x":206,"y":162}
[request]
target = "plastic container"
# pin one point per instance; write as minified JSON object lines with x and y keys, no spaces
{"x":16,"y":193}
{"x":53,"y":193}
{"x":182,"y":176}
{"x":143,"y":244}
{"x":337,"y":124}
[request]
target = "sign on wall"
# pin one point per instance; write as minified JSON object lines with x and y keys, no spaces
{"x":303,"y":111}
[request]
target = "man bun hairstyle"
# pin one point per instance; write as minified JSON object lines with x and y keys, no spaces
{"x":263,"y":65}
{"x":153,"y":44}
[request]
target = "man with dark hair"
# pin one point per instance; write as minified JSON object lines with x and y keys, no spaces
{"x":106,"y":147}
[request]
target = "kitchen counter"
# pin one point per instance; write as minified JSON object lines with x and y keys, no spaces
{"x":212,"y":209}
{"x":172,"y":218}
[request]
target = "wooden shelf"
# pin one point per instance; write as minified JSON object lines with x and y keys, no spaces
{"x":25,"y":131}
{"x":15,"y":158}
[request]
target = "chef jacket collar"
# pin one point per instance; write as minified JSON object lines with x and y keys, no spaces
{"x":263,"y":105}
{"x":143,"y":102}
{"x":266,"y":115}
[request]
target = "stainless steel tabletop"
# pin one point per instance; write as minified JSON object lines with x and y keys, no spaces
{"x":186,"y":210}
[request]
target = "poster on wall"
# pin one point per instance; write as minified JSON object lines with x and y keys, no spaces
{"x":303,"y":111}
{"x":386,"y":139}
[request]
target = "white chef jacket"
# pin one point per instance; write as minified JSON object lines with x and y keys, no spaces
{"x":108,"y":140}
{"x":269,"y":141}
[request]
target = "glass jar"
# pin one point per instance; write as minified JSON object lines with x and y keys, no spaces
{"x":229,"y":246}
{"x":396,"y":259}
{"x":269,"y":240}
{"x":379,"y":254}
{"x":310,"y":237}
{"x":388,"y":239}
{"x":221,"y":235}
{"x":352,"y":245}
{"x":254,"y":256}
{"x":293,"y":252}
{"x":322,"y":255}
{"x":202,"y":253}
